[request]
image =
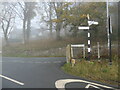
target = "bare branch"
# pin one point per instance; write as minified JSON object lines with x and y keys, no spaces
{"x":21,"y":6}
{"x":46,"y":10}
{"x":3,"y":26}
{"x":16,"y":11}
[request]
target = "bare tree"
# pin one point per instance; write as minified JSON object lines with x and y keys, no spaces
{"x":50,"y":18}
{"x":7,"y":20}
{"x":30,"y":15}
{"x":25,"y":11}
{"x":58,"y":9}
{"x":47,"y":8}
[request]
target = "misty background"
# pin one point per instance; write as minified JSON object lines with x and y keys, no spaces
{"x":46,"y":28}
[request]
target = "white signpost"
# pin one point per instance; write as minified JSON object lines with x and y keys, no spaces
{"x":81,"y":27}
{"x":92,"y":22}
{"x":88,"y":28}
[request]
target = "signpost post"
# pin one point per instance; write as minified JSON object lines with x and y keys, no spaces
{"x":89,"y":42}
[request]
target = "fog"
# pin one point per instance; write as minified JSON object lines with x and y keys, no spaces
{"x":42,"y":15}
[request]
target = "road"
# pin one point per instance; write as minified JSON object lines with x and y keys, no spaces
{"x":36,"y":72}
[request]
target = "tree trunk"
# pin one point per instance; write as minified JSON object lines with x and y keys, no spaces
{"x":51,"y":29}
{"x":58,"y":14}
{"x":50,"y":13}
{"x":28,"y":30}
{"x":58,"y":27}
{"x":24,"y":22}
{"x":65,"y":32}
{"x":74,"y":34}
{"x":6,"y":40}
{"x":58,"y":35}
{"x":24,"y":28}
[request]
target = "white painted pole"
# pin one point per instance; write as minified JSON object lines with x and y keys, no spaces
{"x":71,"y":52}
{"x":67,"y":55}
{"x":98,"y":50}
{"x":84,"y":51}
{"x":107,"y":22}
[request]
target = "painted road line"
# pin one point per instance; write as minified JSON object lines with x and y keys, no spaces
{"x":37,"y":62}
{"x":45,"y":62}
{"x":30,"y":62}
{"x":10,"y":79}
{"x":87,"y":86}
{"x":57,"y":62}
{"x":61,"y":83}
{"x":96,"y":87}
{"x":93,"y":86}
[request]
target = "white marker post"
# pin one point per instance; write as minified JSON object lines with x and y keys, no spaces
{"x":89,"y":46}
{"x":98,"y":50}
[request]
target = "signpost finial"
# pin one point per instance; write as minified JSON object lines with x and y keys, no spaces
{"x":88,"y":16}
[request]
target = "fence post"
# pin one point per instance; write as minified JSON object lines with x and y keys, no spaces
{"x":68,"y":53}
{"x":98,"y":46}
{"x":84,"y":52}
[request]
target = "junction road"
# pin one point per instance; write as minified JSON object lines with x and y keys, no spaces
{"x":44,"y":72}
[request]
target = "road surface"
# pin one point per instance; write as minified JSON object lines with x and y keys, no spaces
{"x":36,"y":72}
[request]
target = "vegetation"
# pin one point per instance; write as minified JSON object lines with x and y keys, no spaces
{"x":38,"y":47}
{"x":61,"y":20}
{"x":58,"y":17}
{"x":49,"y":47}
{"x":95,"y":70}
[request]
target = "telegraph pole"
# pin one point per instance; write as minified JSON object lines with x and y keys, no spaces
{"x":110,"y":32}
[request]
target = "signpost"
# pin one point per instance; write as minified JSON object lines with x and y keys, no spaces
{"x":92,"y":22}
{"x":83,"y":27}
{"x":89,"y":34}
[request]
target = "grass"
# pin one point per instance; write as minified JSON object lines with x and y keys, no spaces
{"x":49,"y":48}
{"x":37,"y":48}
{"x":95,"y":70}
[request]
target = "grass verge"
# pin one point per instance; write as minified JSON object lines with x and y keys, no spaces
{"x":95,"y":70}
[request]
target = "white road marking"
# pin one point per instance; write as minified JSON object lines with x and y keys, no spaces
{"x":10,"y":79}
{"x":96,"y":87}
{"x":57,"y":61}
{"x":93,"y":86}
{"x":87,"y":86}
{"x":61,"y":83}
{"x":45,"y":62}
{"x":37,"y":62}
{"x":31,"y":62}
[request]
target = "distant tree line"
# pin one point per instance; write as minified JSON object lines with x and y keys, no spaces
{"x":59,"y":16}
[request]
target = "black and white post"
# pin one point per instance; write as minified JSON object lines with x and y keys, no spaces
{"x":89,"y":46}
